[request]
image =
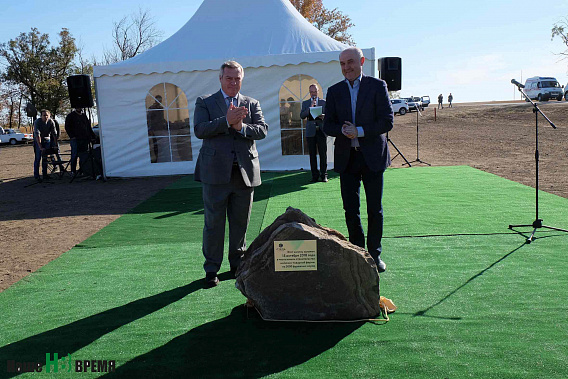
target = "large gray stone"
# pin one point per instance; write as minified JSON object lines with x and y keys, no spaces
{"x":344,"y":287}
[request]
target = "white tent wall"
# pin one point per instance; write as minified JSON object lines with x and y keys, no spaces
{"x":122,"y":113}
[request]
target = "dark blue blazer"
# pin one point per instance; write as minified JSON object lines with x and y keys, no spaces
{"x":373,"y":113}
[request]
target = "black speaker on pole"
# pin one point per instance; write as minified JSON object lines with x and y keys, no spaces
{"x":31,"y":110}
{"x":390,"y":70}
{"x":79,"y":87}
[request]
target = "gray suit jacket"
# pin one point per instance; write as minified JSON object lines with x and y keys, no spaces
{"x":305,"y":113}
{"x":221,"y":143}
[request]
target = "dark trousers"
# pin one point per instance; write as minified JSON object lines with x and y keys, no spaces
{"x":356,"y":172}
{"x":41,"y":157}
{"x":232,"y":202}
{"x":318,"y":144}
{"x":77,"y":146}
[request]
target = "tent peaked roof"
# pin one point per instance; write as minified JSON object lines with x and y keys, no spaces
{"x":254,"y":32}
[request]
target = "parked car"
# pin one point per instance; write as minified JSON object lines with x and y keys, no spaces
{"x":543,"y":88}
{"x":566,"y":92}
{"x":399,"y":106}
{"x":12,"y":136}
{"x":425,"y":101}
{"x":414,"y":103}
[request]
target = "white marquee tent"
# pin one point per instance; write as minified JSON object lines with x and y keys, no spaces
{"x":146,"y":103}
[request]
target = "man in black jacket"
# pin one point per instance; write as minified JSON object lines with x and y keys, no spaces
{"x":358,"y":115}
{"x":78,"y":128}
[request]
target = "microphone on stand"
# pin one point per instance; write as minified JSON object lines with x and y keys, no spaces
{"x":517,"y":83}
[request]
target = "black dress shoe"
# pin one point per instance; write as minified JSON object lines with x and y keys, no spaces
{"x":314,"y":179}
{"x":233,"y":272}
{"x":324,"y":178}
{"x":211,"y":279}
{"x":381,"y":266}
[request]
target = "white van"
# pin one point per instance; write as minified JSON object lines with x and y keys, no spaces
{"x":543,"y":88}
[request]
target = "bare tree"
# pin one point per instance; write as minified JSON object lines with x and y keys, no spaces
{"x":560,"y":29}
{"x":11,"y":97}
{"x":131,"y":36}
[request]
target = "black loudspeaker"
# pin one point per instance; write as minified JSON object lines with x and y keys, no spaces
{"x":31,"y":110}
{"x":390,"y":70}
{"x":80,"y":91}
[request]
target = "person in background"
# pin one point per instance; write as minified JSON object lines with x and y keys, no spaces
{"x":359,"y":114}
{"x":157,"y":126}
{"x":440,"y":100}
{"x":317,"y":140}
{"x":44,"y":131}
{"x":78,"y":128}
{"x":450,"y":99}
{"x":54,"y":148}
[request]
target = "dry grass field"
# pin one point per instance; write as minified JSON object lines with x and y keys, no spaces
{"x":41,"y":221}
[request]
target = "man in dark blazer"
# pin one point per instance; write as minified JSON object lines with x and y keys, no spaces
{"x":228,"y":166}
{"x":317,"y":140}
{"x":358,"y":114}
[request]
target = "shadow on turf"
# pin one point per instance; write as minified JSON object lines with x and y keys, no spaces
{"x":72,"y":337}
{"x":237,"y":347}
{"x":246,"y":347}
{"x":448,"y":235}
{"x":423,"y":312}
{"x":189,"y":200}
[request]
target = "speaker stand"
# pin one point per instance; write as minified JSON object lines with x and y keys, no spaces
{"x":398,"y":152}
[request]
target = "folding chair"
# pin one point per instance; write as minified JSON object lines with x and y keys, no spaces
{"x":57,"y":160}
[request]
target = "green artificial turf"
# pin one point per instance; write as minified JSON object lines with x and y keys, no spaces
{"x":474,"y":301}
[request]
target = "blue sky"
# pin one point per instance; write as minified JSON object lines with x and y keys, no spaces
{"x":472,"y":49}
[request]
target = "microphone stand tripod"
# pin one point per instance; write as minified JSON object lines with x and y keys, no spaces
{"x":417,"y":144}
{"x":537,"y":223}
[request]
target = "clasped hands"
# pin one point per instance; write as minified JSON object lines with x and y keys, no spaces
{"x":349,"y":130}
{"x":235,"y":116}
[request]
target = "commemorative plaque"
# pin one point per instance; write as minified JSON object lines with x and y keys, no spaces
{"x":298,"y":255}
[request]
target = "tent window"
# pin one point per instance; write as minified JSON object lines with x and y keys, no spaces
{"x":292,"y":128}
{"x":167,"y":116}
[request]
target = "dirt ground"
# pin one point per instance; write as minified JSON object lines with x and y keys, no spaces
{"x":40,"y":221}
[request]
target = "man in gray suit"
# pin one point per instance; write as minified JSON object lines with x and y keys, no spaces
{"x":228,"y":166}
{"x":317,"y":140}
